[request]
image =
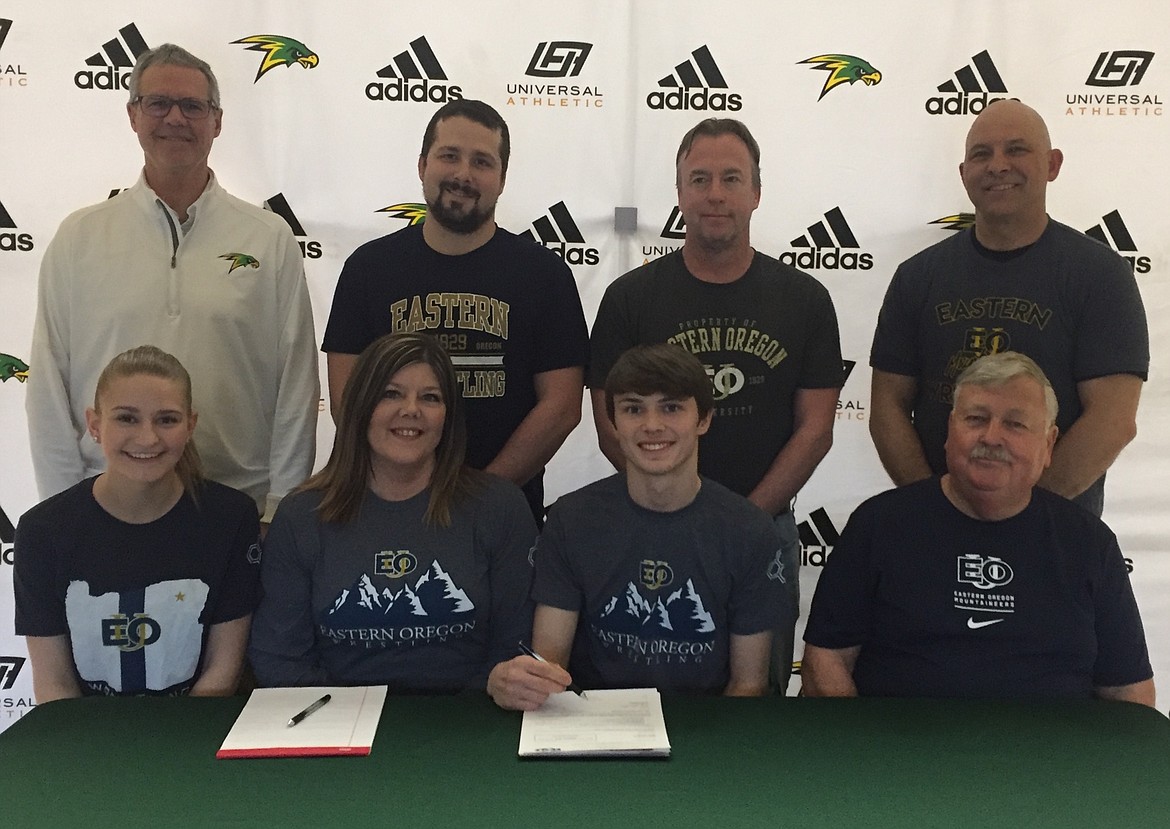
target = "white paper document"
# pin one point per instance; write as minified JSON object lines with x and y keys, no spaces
{"x":344,"y":725}
{"x":625,"y":722}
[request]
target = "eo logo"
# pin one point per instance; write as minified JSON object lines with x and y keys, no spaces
{"x":726,"y":380}
{"x":655,"y":574}
{"x":414,"y":75}
{"x":818,"y":536}
{"x":278,"y":50}
{"x":115,"y":60}
{"x":977,"y":84}
{"x":278,"y":204}
{"x":558,"y":59}
{"x":568,"y":244}
{"x":10,"y":240}
{"x":394,"y":563}
{"x":956,"y":221}
{"x":843,"y":69}
{"x":984,"y":572}
{"x":130,"y":634}
{"x":10,"y":667}
{"x":692,"y":83}
{"x":828,"y":244}
{"x":1113,"y":232}
{"x":1121,"y":68}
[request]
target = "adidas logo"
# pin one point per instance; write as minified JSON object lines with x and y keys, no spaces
{"x":569,"y":244}
{"x":818,"y":536}
{"x":1113,"y":233}
{"x":702,"y":75}
{"x":278,"y":204}
{"x":828,"y":244}
{"x":115,"y":60}
{"x":978,"y":84}
{"x":414,"y":75}
{"x":10,"y":240}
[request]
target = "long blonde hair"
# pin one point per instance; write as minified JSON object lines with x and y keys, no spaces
{"x":154,"y":362}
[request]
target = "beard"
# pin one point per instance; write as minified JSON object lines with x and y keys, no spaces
{"x":458,"y":219}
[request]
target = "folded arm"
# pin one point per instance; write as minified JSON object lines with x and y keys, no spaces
{"x":891,"y":426}
{"x":1108,"y":422}
{"x":828,"y":672}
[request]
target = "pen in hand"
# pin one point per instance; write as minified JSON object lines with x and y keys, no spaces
{"x":297,"y":719}
{"x":573,"y":686}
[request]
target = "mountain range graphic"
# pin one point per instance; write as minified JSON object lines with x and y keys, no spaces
{"x":434,"y":599}
{"x":680,"y":617}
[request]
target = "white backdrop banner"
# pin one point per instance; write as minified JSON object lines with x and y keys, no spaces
{"x":860,"y":111}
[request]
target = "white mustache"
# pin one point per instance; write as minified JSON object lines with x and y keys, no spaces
{"x":990,"y":453}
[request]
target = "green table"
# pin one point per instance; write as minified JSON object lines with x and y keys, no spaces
{"x":452,"y":762}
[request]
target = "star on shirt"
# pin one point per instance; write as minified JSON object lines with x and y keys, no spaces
{"x":180,"y":597}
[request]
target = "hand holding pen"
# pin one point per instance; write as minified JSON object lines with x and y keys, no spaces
{"x":523,"y":683}
{"x":573,"y":686}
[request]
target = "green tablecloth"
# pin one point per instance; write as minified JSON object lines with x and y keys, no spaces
{"x":452,"y":761}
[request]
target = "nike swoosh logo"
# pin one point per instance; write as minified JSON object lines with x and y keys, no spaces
{"x":971,"y":623}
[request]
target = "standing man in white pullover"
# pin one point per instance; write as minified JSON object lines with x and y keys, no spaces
{"x":177,"y":262}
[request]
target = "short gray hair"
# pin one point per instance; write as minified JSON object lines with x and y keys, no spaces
{"x":171,"y":55}
{"x":1000,"y":369}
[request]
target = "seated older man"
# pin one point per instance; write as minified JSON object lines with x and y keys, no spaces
{"x":980,"y":583}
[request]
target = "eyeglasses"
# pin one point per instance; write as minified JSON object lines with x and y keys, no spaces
{"x":159,"y":106}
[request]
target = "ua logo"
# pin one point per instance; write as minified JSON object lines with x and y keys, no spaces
{"x":656,"y":574}
{"x":776,"y":568}
{"x":984,"y":572}
{"x":129,"y":635}
{"x":394,"y":563}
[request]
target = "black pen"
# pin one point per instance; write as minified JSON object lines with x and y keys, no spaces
{"x":573,"y":686}
{"x":297,"y":719}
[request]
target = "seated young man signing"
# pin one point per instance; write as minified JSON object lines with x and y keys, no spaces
{"x":656,"y":577}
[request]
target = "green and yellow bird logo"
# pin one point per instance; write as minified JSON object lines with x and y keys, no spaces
{"x":279,"y":50}
{"x":12,"y":367}
{"x":413,"y":212}
{"x":843,"y":69}
{"x":241,"y":260}
{"x":957,"y":221}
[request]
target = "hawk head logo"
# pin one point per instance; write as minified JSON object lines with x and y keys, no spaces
{"x":412,"y":212}
{"x":843,"y":69}
{"x":241,"y":260}
{"x":958,"y":221}
{"x":279,"y":51}
{"x":12,"y":367}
